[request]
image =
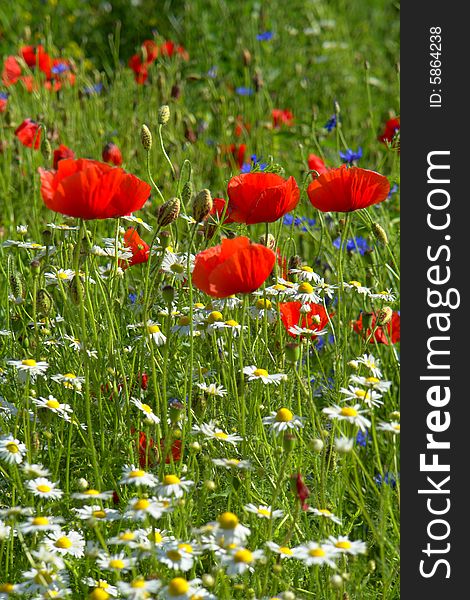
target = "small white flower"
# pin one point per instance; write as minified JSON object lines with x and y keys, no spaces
{"x":212,"y":389}
{"x":282,"y":551}
{"x":69,"y":380}
{"x":92,"y":494}
{"x":264,"y":512}
{"x":344,"y":545}
{"x":343,"y":445}
{"x":154,"y":332}
{"x":34,"y":524}
{"x":255,"y":373}
{"x":313,"y":553}
{"x":262,"y":309}
{"x":371,"y":363}
{"x":139,"y":221}
{"x":240,"y":560}
{"x":177,"y":264}
{"x":305,"y":273}
{"x":282,"y":420}
{"x":211,"y":431}
{"x":52,"y":404}
{"x":232,"y":463}
{"x":139,"y":588}
{"x":141,"y":508}
{"x":357,"y":287}
{"x":368,"y":396}
{"x":131,"y":475}
{"x":393,"y":427}
{"x":373,"y":383}
{"x":146,"y":410}
{"x":71,"y":543}
{"x":352,"y":414}
{"x":93,"y":514}
{"x":326,"y":514}
{"x":177,"y":555}
{"x":305,"y":293}
{"x":385,"y":295}
{"x":43,"y":488}
{"x":30,"y":367}
{"x":12,"y":450}
{"x":174,"y":486}
{"x":101,"y":584}
{"x":118,"y":563}
{"x":230,"y":302}
{"x":33,"y":470}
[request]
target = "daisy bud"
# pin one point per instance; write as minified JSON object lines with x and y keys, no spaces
{"x":317,"y":445}
{"x":371,"y":566}
{"x":187,"y":192}
{"x":44,"y":302}
{"x":202,"y":205}
{"x":395,"y":415}
{"x":195,"y":446}
{"x":292,"y":352}
{"x":379,"y":233}
{"x":269,"y":241}
{"x":207,"y":580}
{"x":46,"y":149}
{"x":168,"y":293}
{"x":168,"y":212}
{"x":146,"y":137}
{"x":353,"y":364}
{"x":287,"y":595}
{"x":384,"y":315}
{"x":336,"y":581}
{"x":82,"y":483}
{"x":164,"y":114}
{"x":277,"y":568}
{"x":210,"y":485}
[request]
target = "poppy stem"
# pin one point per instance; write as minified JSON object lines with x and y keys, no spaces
{"x":151,"y":178}
{"x":164,"y":151}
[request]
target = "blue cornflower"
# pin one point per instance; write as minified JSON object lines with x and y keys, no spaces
{"x":393,"y":190}
{"x":362,"y":438}
{"x":244,"y":91}
{"x":388,"y":478}
{"x":60,"y":68}
{"x":357,"y":244}
{"x":287,"y":219}
{"x":132,"y":298}
{"x":264,"y":37}
{"x":3,"y":96}
{"x":255,"y":161}
{"x":350,"y":156}
{"x":212,"y":72}
{"x":331,"y":123}
{"x":94,"y":89}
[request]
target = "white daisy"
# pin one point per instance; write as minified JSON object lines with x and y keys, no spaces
{"x":183,"y":327}
{"x":368,"y":396}
{"x":177,"y":555}
{"x":71,"y":543}
{"x":34,"y":524}
{"x":352,"y":414}
{"x":227,"y":531}
{"x":101,"y":584}
{"x":263,"y":308}
{"x":139,"y":221}
{"x":305,"y":273}
{"x":60,"y":275}
{"x":174,"y":486}
{"x":118,"y":563}
{"x":357,"y":287}
{"x":385,"y":295}
{"x":139,"y":509}
{"x":94,"y":513}
{"x":211,"y":431}
{"x":92,"y":494}
{"x":212,"y":389}
{"x":255,"y":373}
{"x":69,"y":380}
{"x":177,"y":264}
{"x":44,"y":488}
{"x":180,"y":589}
{"x":52,"y":404}
{"x":373,"y":383}
{"x":325,"y":513}
{"x":232,"y":463}
{"x":230,"y":302}
{"x":282,"y":420}
{"x":312,"y":553}
{"x":305,"y":293}
{"x":282,"y":551}
{"x":5,"y":531}
{"x":325,"y":289}
{"x":131,"y":475}
{"x":146,"y":410}
{"x":12,"y":450}
{"x":342,"y":544}
{"x":264,"y":512}
{"x":29,"y":367}
{"x":240,"y":560}
{"x":371,"y":363}
{"x":393,"y":427}
{"x":34,"y":470}
{"x":139,"y":588}
{"x":154,"y":332}
{"x":343,"y":444}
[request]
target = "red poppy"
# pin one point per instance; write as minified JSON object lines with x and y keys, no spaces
{"x":261,"y":197}
{"x":392,"y":126}
{"x":149,"y":454}
{"x":92,"y":190}
{"x":241,"y":126}
{"x":149,"y":51}
{"x":235,"y":153}
{"x":315,"y":163}
{"x":112,"y":154}
{"x":169,"y":48}
{"x":315,"y":320}
{"x":302,"y":490}
{"x":282,"y":117}
{"x":61,"y":153}
{"x":347,"y":189}
{"x":36,"y":56}
{"x":139,"y":249}
{"x":11,"y":71}
{"x":140,"y":68}
{"x":233,"y":267}
{"x":217,"y":210}
{"x":3,"y":102}
{"x":380,"y":336}
{"x":29,"y":133}
{"x":29,"y":83}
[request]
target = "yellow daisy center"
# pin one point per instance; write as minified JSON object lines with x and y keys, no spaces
{"x":317,"y":552}
{"x":279,"y":287}
{"x":262,"y":303}
{"x":141,"y":504}
{"x":62,"y":275}
{"x":285,"y":550}
{"x":324,"y":511}
{"x":29,"y":362}
{"x":198,"y":305}
{"x":39,"y":521}
{"x":155,"y":537}
{"x":284,"y":415}
{"x":98,"y":514}
{"x":146,"y":408}
{"x":138,"y":583}
{"x":260,"y":373}
{"x":178,"y":586}
{"x":43,"y":576}
{"x":116,"y":563}
{"x":171,"y":480}
{"x":360,"y":393}
{"x":12,"y":448}
{"x":6,"y":588}
{"x":53,"y":404}
{"x":186,"y":547}
{"x":153,"y":329}
{"x":137,"y":473}
{"x":243,"y":556}
{"x":345,"y":545}
{"x":228,"y":520}
{"x":63,"y":542}
{"x":231,"y":323}
{"x":214,"y":316}
{"x":305,"y":288}
{"x":91,"y":492}
{"x":372,"y":380}
{"x":233,"y":462}
{"x":396,"y":427}
{"x":355,"y":283}
{"x":348,"y":411}
{"x":99,"y":594}
{"x":306,"y":268}
{"x":127,"y":536}
{"x":174,"y":555}
{"x":44,"y":489}
{"x":70,"y":376}
{"x":264,"y":511}
{"x":221,"y":435}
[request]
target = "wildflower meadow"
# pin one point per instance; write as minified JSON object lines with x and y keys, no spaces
{"x":199,"y":300}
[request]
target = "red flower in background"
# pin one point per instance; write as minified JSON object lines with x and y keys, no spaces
{"x":29,"y":133}
{"x":11,"y":71}
{"x":149,"y":50}
{"x":36,"y":56}
{"x":169,"y":48}
{"x":392,"y":126}
{"x":241,"y":126}
{"x":380,"y":336}
{"x":347,"y":189}
{"x":3,"y":101}
{"x":92,"y":190}
{"x":302,"y":491}
{"x":217,"y":210}
{"x":150,"y":454}
{"x":261,"y":197}
{"x":112,"y":154}
{"x":61,"y":153}
{"x":282,"y":117}
{"x":140,"y":68}
{"x":235,"y":153}
{"x":233,"y":267}
{"x":291,"y":315}
{"x":315,"y":163}
{"x":139,"y":248}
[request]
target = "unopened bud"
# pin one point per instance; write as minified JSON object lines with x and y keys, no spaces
{"x":337,"y":107}
{"x":292,"y":352}
{"x":44,"y":302}
{"x":295,"y":262}
{"x":371,"y":566}
{"x":289,"y":441}
{"x":187,"y":192}
{"x":76,"y":289}
{"x":202,"y":205}
{"x":246,"y":55}
{"x":258,"y":81}
{"x":384,"y":315}
{"x":164,"y":114}
{"x":317,"y":445}
{"x":168,"y":212}
{"x":175,"y":91}
{"x":82,"y":483}
{"x":35,"y":266}
{"x":168,"y":293}
{"x":46,"y":149}
{"x":207,"y":580}
{"x":379,"y":233}
{"x":165,"y":239}
{"x":336,"y":581}
{"x":269,"y":241}
{"x":210,"y":485}
{"x":195,"y":446}
{"x":146,"y":137}
{"x":288,"y":595}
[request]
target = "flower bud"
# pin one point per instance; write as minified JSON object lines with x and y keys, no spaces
{"x":187,"y":192}
{"x":82,"y":484}
{"x":336,"y":581}
{"x":207,"y":580}
{"x":168,"y":212}
{"x":165,"y":239}
{"x":289,"y":441}
{"x":371,"y":566}
{"x":168,"y":293}
{"x":292,"y":352}
{"x":75,"y":287}
{"x":163,"y":114}
{"x":146,"y":137}
{"x":46,"y":149}
{"x":295,"y":262}
{"x":317,"y":445}
{"x":44,"y":302}
{"x":202,"y":205}
{"x":210,"y":485}
{"x":246,"y":55}
{"x":379,"y":233}
{"x":384,"y":315}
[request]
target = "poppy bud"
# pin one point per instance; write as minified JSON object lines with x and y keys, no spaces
{"x":165,"y":239}
{"x":44,"y":302}
{"x":163,"y":114}
{"x":168,"y":212}
{"x":35,"y":267}
{"x":258,"y":81}
{"x":289,"y":441}
{"x":384,"y":315}
{"x":292,"y":352}
{"x":146,"y":137}
{"x":202,"y":205}
{"x":112,"y":154}
{"x":75,"y":285}
{"x":46,"y":149}
{"x":168,"y":293}
{"x":246,"y":55}
{"x":187,"y":192}
{"x":269,"y":241}
{"x":380,"y":233}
